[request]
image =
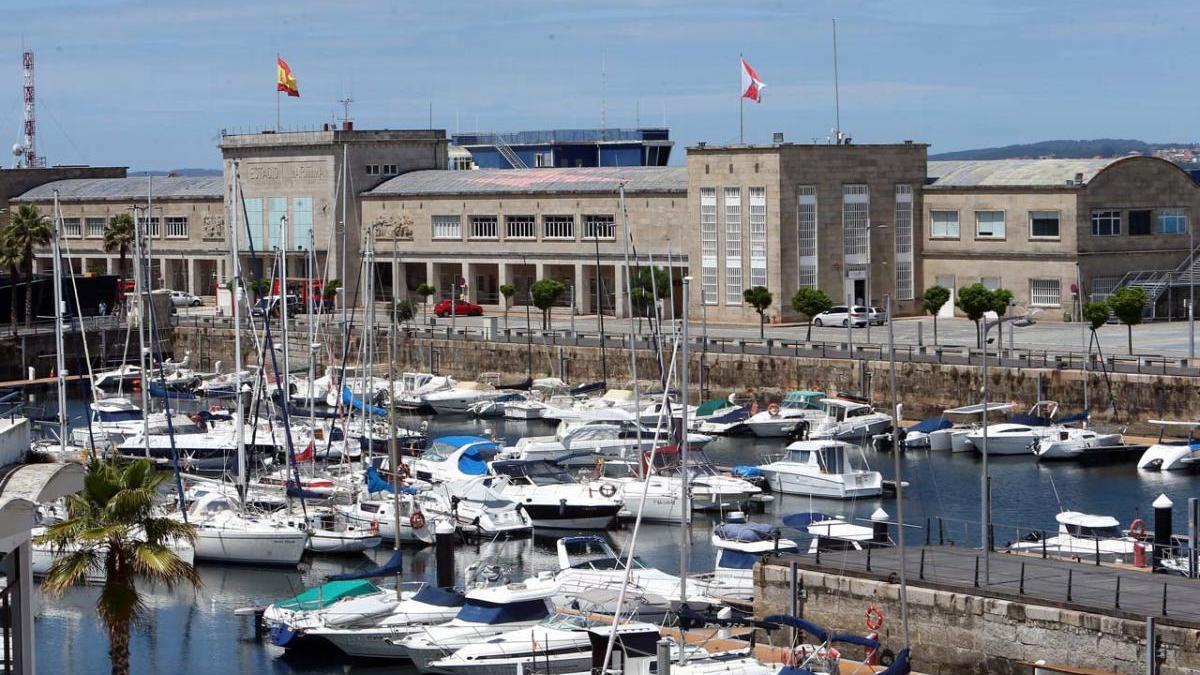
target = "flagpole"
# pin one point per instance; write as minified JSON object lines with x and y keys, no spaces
{"x":741,"y":102}
{"x":277,"y":92}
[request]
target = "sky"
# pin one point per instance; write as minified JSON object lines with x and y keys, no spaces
{"x":151,"y":84}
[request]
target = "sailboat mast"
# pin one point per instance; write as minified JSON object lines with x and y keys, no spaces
{"x":368,"y":349}
{"x":393,"y":442}
{"x":60,"y":358}
{"x":310,"y":270}
{"x":899,"y":477}
{"x":633,"y":373}
{"x":283,"y":307}
{"x":235,"y":307}
{"x":685,"y":551}
{"x":139,"y":291}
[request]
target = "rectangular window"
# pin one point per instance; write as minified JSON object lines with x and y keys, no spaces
{"x":149,"y":227}
{"x":484,"y":227}
{"x":856,"y":219}
{"x":390,"y":170}
{"x":989,"y":224}
{"x":95,"y":226}
{"x":302,"y":223}
{"x":758,"y":236}
{"x":599,"y":227}
{"x":1044,"y":293}
{"x":372,"y":169}
{"x":1043,"y":225}
{"x":1172,"y":221}
{"x":446,"y":227}
{"x":254,"y":225}
{"x":806,"y":235}
{"x":904,"y":242}
{"x":1139,"y":223}
{"x":990,"y":283}
{"x":943,"y":224}
{"x":558,"y":227}
{"x":1102,"y":287}
{"x":177,"y":227}
{"x":733,"y":246}
{"x":276,"y":211}
{"x":543,"y":159}
{"x":519,"y":227}
{"x":708,"y":244}
{"x":1106,"y":223}
{"x":71,"y":227}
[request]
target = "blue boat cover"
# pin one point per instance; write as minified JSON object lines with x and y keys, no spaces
{"x":745,"y":532}
{"x":353,"y":401}
{"x":820,"y":633}
{"x":490,"y":613}
{"x":298,"y":492}
{"x":801,"y":521}
{"x":156,"y":390}
{"x":736,"y":415}
{"x":439,"y":597}
{"x":737,"y":560}
{"x":746,"y":471}
{"x":1072,"y":419}
{"x":377,"y":483}
{"x":1029,"y":420}
{"x":901,"y":666}
{"x":325,"y":595}
{"x":388,"y":568}
{"x":931,"y":424}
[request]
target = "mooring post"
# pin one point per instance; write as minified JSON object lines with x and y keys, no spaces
{"x":1070,"y":582}
{"x":1117,"y":601}
{"x":1162,"y":530}
{"x":1022,"y":587}
{"x":927,"y":532}
{"x":922,"y":573}
{"x":1151,"y":647}
{"x":976,"y":571}
{"x":1043,"y":544}
{"x":1097,"y":551}
{"x":1164,"y":607}
{"x":869,"y":547}
{"x":941,"y":532}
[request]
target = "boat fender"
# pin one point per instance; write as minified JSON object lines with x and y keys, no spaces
{"x":773,"y":410}
{"x":874,"y":618}
{"x":1137,"y":529}
{"x":887,"y":658}
{"x":416,"y":520}
{"x":608,"y":490}
{"x":375,"y":526}
{"x":871,"y":658}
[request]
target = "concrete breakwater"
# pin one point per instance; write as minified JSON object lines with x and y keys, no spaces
{"x":924,"y":388}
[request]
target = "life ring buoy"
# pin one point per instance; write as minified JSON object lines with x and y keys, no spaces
{"x":1137,"y":529}
{"x":375,"y":526}
{"x":773,"y":410}
{"x":874,"y":618}
{"x":417,"y":520}
{"x":608,"y":490}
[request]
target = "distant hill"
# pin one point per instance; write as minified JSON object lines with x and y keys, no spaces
{"x":1100,"y":147}
{"x":178,"y":172}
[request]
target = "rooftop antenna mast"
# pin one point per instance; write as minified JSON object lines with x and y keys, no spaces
{"x":346,"y":107}
{"x":603,"y":92}
{"x":837,"y":102}
{"x":28,"y":149}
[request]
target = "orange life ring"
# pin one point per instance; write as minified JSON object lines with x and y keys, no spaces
{"x":1137,"y":529}
{"x":417,"y":520}
{"x":874,"y":618}
{"x":773,"y":410}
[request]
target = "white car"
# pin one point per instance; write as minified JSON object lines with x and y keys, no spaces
{"x":877,"y":316}
{"x":185,"y":299}
{"x":841,"y":315}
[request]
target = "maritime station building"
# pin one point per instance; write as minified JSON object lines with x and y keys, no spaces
{"x":861,"y":222}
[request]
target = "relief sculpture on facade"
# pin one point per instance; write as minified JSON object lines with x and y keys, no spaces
{"x":399,"y":228}
{"x":212,"y":227}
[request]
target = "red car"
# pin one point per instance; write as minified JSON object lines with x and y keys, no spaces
{"x":461,"y":308}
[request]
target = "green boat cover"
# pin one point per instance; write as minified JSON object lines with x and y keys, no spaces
{"x":711,"y":406}
{"x":327,"y":594}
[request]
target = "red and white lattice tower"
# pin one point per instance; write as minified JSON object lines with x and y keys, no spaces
{"x":29,"y":149}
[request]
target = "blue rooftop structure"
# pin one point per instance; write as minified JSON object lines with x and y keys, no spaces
{"x":567,"y":148}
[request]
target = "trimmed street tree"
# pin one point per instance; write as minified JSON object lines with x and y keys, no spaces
{"x":975,"y":301}
{"x":423,"y":291}
{"x":1129,"y":304}
{"x":760,"y":299}
{"x":545,"y":293}
{"x":508,"y":291}
{"x":1001,"y":300}
{"x":811,"y":302}
{"x":933,"y":300}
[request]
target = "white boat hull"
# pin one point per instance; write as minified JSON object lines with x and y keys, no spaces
{"x":353,"y":541}
{"x":848,"y":486}
{"x":1168,"y":457}
{"x":253,"y":548}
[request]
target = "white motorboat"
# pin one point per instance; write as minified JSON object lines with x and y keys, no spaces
{"x":330,"y":531}
{"x":225,"y":535}
{"x":1069,"y":443}
{"x":456,"y":400}
{"x":710,"y":490}
{"x":834,"y":533}
{"x":379,"y":513}
{"x":337,"y":602}
{"x":739,"y":545}
{"x":822,"y":469}
{"x":379,"y":636}
{"x":551,"y":498}
{"x":1176,"y":455}
{"x":1021,"y":434}
{"x":949,"y":432}
{"x":486,"y":613}
{"x":410,"y":393}
{"x":115,"y":419}
{"x":623,"y":400}
{"x":454,"y":458}
{"x":657,"y":497}
{"x":780,"y":420}
{"x":608,"y":433}
{"x":1082,"y":535}
{"x":471,"y":505}
{"x":850,"y":420}
{"x":588,"y":562}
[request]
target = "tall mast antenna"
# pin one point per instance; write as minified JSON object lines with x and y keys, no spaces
{"x":29,"y":147}
{"x":346,"y":107}
{"x":837,"y":103}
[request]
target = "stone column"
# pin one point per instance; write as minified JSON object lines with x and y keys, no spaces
{"x":468,"y":275}
{"x":619,"y":289}
{"x":583,"y":299}
{"x":397,"y":282}
{"x":539,"y":272}
{"x":432,"y":280}
{"x":110,"y":265}
{"x":191,"y":274}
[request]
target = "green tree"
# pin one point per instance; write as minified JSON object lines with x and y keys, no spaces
{"x":933,"y":300}
{"x":811,"y":302}
{"x":645,"y":285}
{"x":1096,"y":314}
{"x":118,"y":238}
{"x":508,"y":291}
{"x":545,"y":293}
{"x":405,"y":311}
{"x":760,"y":299}
{"x":975,"y":301}
{"x":10,"y":259}
{"x":1001,"y":300}
{"x":112,"y":531}
{"x":28,"y":230}
{"x":329,"y":292}
{"x":1129,"y":304}
{"x":423,"y":291}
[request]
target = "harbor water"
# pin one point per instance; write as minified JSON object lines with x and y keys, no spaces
{"x":195,"y":631}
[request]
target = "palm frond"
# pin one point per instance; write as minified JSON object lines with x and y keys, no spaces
{"x":71,"y":569}
{"x":159,"y":563}
{"x":130,"y":505}
{"x":162,"y":530}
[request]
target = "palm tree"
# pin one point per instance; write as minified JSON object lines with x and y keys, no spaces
{"x":10,"y":259}
{"x":118,"y":236}
{"x":27,"y":230}
{"x":112,"y":530}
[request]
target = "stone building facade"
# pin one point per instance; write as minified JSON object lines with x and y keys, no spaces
{"x":836,"y":217}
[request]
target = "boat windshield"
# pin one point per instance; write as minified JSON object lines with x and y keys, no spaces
{"x":491,"y":613}
{"x":1111,"y":532}
{"x":566,"y":621}
{"x":119,"y":415}
{"x":538,"y":473}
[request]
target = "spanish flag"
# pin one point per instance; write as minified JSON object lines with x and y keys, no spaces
{"x":287,"y":81}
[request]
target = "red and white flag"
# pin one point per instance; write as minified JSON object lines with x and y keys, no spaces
{"x":752,"y":86}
